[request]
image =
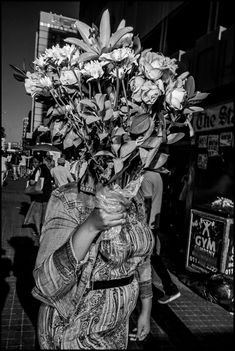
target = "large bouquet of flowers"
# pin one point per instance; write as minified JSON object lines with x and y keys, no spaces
{"x":113,"y":100}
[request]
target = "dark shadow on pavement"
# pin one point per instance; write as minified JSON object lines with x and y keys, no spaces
{"x":24,"y":208}
{"x":6,"y":267}
{"x":23,"y":265}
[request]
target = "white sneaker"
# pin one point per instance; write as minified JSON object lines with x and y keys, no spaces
{"x":168,"y":298}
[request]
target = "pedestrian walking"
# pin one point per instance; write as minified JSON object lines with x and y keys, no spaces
{"x":3,"y":167}
{"x":152,"y":189}
{"x":15,"y":161}
{"x":60,"y":174}
{"x":36,"y":213}
{"x":67,"y":163}
{"x":23,"y":166}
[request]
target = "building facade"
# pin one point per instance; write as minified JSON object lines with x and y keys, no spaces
{"x":52,"y":30}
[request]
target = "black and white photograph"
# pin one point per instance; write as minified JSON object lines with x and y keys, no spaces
{"x":117,"y":175}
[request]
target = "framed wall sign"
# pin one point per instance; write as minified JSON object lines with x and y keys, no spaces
{"x":202,"y":160}
{"x":226,"y":139}
{"x":208,"y":242}
{"x":202,"y":141}
{"x":213,"y":144}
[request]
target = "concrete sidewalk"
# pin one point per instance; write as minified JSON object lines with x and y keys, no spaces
{"x":189,"y":322}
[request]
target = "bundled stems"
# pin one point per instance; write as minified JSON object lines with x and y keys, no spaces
{"x":124,"y":91}
{"x":117,"y":89}
{"x":89,"y":85}
{"x":99,"y":87}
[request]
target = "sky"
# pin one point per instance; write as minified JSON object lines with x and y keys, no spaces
{"x":19,"y":22}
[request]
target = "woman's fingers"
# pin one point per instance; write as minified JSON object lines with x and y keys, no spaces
{"x":109,"y":218}
{"x":105,"y":220}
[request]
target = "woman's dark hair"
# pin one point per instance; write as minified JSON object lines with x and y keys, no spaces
{"x":38,"y":158}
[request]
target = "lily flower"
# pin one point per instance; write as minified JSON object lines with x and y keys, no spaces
{"x":95,"y":43}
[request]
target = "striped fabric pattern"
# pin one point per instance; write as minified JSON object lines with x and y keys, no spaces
{"x":101,"y":318}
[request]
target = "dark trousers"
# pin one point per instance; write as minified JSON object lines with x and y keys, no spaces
{"x":168,"y":286}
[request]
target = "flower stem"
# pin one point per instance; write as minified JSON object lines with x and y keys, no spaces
{"x":117,"y":89}
{"x":99,"y":87}
{"x":124,"y":91}
{"x":54,"y":97}
{"x":89,"y":85}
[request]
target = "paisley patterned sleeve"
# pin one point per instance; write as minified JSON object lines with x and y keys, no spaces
{"x":57,"y":270}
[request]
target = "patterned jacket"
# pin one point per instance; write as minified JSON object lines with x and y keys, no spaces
{"x":60,"y":279}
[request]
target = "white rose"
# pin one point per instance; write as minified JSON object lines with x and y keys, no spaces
{"x":175,"y":98}
{"x":68,"y":77}
{"x":93,"y":69}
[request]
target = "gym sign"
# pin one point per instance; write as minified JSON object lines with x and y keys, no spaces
{"x":215,"y":117}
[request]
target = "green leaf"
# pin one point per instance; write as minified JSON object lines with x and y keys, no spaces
{"x":163,"y":170}
{"x":77,"y":141}
{"x":192,"y":109}
{"x":105,"y":30}
{"x":91,"y":119}
{"x":117,"y":36}
{"x":198,"y":96}
{"x":174,"y":137}
{"x":80,"y":44}
{"x":190,"y":86}
{"x":143,"y":155}
{"x":136,"y":44}
{"x":58,"y":111}
{"x":116,"y":143}
{"x":118,"y":175}
{"x":127,"y":149}
{"x":86,"y":56}
{"x":107,"y":104}
{"x":140,"y":124}
{"x":119,"y":131}
{"x":140,"y":140}
{"x":161,"y":160}
{"x":18,"y":77}
{"x":88,"y":102}
{"x":152,"y":153}
{"x":99,"y":98}
{"x":186,"y":111}
{"x":102,"y":135}
{"x":108,"y":114}
{"x":49,"y":111}
{"x":115,"y":147}
{"x":82,"y":169}
{"x":118,"y":164}
{"x":151,"y":142}
{"x":121,"y":25}
{"x":69,"y":138}
{"x":196,"y":108}
{"x":18,"y":70}
{"x":183,"y":75}
{"x":104,"y":153}
{"x":84,"y":30}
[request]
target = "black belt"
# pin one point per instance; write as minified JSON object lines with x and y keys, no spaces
{"x":105,"y":284}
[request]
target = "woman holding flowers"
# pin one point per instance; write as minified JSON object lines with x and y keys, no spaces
{"x":117,"y":104}
{"x":88,"y":277}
